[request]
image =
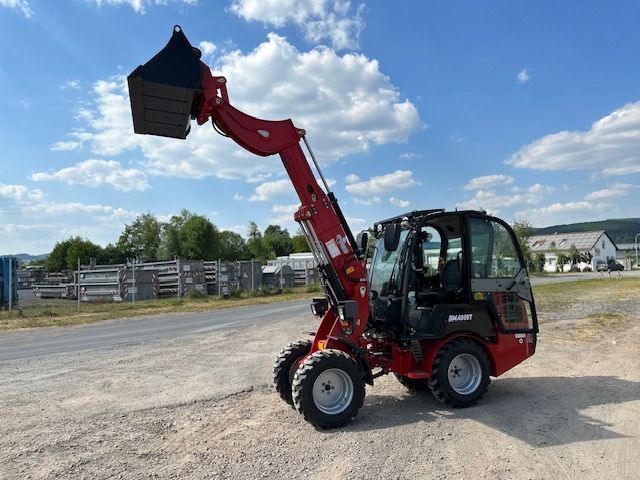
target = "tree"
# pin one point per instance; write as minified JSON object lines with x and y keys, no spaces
{"x":574,"y":254}
{"x":232,"y":246}
{"x":199,"y":238}
{"x":562,"y":259}
{"x":523,"y":231}
{"x":255,"y":245}
{"x":111,"y":255}
{"x":277,"y":240}
{"x":57,"y":259}
{"x":170,"y":238}
{"x":189,"y":235}
{"x":540,"y":260}
{"x":299,"y":242}
{"x":83,"y":249}
{"x":141,"y":238}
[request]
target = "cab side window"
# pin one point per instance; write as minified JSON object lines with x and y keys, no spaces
{"x":493,"y":250}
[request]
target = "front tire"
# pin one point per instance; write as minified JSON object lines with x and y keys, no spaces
{"x":460,"y":374}
{"x":286,"y":365}
{"x":328,"y":388}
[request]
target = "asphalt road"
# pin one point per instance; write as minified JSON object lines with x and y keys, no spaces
{"x":131,"y":331}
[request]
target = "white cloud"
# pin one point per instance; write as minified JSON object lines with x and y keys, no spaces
{"x":367,"y":202}
{"x":396,"y":202}
{"x":568,"y":212}
{"x":207,"y":49}
{"x":615,"y":190}
{"x":141,"y":6}
{"x":269,"y":190}
{"x":284,"y":215}
{"x":338,"y":21}
{"x":29,"y":223}
{"x":20,"y":193}
{"x":96,"y":173}
{"x":410,"y":156}
{"x":71,"y":85}
{"x":487,"y":181}
{"x":66,"y":146}
{"x":20,"y":5}
{"x":356,"y":224}
{"x":524,"y":76}
{"x":239,"y":229}
{"x":493,"y":202}
{"x":398,"y":180}
{"x":344,"y":102}
{"x":611,"y":146}
{"x":351,"y":178}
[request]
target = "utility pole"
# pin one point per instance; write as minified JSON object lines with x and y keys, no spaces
{"x":637,"y":249}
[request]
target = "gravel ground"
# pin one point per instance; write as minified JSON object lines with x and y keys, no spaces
{"x":201,"y":406}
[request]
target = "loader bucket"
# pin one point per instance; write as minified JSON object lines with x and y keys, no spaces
{"x":164,"y":91}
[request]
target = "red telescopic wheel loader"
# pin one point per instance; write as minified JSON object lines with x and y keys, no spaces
{"x":446,"y":302}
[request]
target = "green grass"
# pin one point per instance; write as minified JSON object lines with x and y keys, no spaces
{"x":556,"y":297}
{"x":66,"y":314}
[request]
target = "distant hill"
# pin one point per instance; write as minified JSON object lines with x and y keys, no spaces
{"x":25,"y":257}
{"x":621,"y":230}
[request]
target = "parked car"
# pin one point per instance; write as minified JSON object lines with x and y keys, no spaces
{"x":612,"y":265}
{"x":608,"y":265}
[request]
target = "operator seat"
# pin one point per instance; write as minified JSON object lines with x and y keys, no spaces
{"x":451,"y":281}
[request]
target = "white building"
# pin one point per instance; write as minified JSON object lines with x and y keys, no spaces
{"x":598,"y":244}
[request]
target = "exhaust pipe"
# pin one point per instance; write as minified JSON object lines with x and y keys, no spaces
{"x":165,"y":92}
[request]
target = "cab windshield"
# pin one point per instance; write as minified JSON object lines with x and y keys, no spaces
{"x":385,"y":267}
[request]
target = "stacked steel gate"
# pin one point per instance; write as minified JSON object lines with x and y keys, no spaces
{"x":152,"y":280}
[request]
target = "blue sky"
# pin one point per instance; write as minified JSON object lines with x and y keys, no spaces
{"x":529,"y":110}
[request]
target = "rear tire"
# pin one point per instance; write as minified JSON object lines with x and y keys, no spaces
{"x":286,"y":365}
{"x":460,"y":374}
{"x":328,"y":388}
{"x":413,"y":384}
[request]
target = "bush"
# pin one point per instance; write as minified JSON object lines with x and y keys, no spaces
{"x":195,"y":294}
{"x":316,"y":287}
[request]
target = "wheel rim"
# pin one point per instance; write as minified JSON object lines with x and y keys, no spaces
{"x":333,"y":391}
{"x":465,"y":374}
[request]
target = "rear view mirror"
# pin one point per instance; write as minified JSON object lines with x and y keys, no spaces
{"x":362,"y":240}
{"x":391,"y":237}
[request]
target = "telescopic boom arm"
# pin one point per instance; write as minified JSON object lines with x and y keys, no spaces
{"x":175,"y":86}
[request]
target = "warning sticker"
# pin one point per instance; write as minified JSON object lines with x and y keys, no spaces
{"x":342,"y":241}
{"x":332,"y":247}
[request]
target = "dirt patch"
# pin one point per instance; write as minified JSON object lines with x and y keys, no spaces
{"x":202,"y":407}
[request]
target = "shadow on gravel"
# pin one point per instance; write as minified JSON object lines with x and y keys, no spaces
{"x":541,"y":411}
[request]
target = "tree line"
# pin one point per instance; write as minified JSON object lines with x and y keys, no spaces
{"x":186,"y":236}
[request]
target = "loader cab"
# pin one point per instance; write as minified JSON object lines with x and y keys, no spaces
{"x":450,"y":272}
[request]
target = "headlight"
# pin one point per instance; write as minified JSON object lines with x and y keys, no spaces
{"x":341,"y":312}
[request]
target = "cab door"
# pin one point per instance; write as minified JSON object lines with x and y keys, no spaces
{"x":498,"y":274}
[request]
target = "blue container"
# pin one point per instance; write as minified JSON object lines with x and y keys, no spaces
{"x":8,"y":273}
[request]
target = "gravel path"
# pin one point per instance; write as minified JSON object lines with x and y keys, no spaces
{"x":201,"y":406}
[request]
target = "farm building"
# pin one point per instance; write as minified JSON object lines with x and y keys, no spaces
{"x":598,"y":244}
